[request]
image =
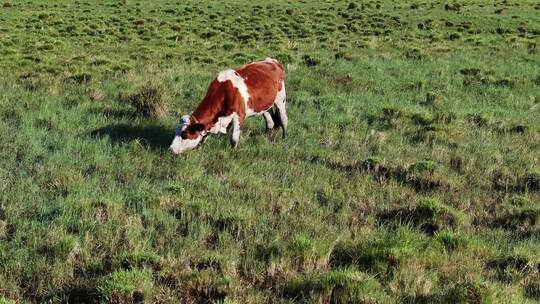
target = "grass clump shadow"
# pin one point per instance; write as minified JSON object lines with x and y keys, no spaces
{"x":310,"y":60}
{"x":429,"y":215}
{"x":380,"y":254}
{"x":454,"y":292}
{"x":519,"y":219}
{"x":510,"y":268}
{"x":140,"y":259}
{"x":7,"y":231}
{"x":206,"y":286}
{"x":531,"y":288}
{"x":338,"y":286}
{"x":80,"y":78}
{"x":507,"y":181}
{"x":451,"y":240}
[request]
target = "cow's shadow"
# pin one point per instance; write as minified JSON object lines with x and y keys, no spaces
{"x":156,"y":137}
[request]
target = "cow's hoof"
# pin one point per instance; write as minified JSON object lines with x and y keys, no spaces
{"x":270,"y":135}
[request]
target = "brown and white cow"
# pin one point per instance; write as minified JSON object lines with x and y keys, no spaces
{"x":252,"y":89}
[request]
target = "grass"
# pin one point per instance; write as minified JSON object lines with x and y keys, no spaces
{"x":126,"y":286}
{"x":148,"y":101}
{"x":410,"y":174}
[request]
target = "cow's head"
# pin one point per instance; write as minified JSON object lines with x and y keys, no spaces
{"x":188,"y":135}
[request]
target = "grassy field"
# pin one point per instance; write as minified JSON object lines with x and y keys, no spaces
{"x":411,"y":173}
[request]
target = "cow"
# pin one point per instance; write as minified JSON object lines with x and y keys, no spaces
{"x":234,"y":95}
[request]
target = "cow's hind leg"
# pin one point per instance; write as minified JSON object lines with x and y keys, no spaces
{"x":283,"y":118}
{"x":282,"y":111}
{"x":269,"y":123}
{"x":235,"y":137}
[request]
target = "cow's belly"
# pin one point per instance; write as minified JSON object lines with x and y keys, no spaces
{"x":251,"y":112}
{"x":259,"y":108}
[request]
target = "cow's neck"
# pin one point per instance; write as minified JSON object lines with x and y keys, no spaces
{"x":208,"y":113}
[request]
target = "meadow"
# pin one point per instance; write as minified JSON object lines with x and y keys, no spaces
{"x":411,"y":173}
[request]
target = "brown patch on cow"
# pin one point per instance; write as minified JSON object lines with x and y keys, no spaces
{"x":211,"y":106}
{"x":263,"y":81}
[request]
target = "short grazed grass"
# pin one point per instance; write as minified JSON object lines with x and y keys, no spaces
{"x":411,"y":173}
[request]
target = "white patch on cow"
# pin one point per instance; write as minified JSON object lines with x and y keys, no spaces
{"x":180,"y":145}
{"x":221,"y":124}
{"x":270,"y":60}
{"x":239,"y":83}
{"x":281,"y":95}
{"x":280,"y":104}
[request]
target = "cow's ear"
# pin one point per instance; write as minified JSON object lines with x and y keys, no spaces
{"x":198,"y":127}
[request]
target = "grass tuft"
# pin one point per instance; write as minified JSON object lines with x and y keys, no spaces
{"x":339,"y":286}
{"x":149,"y":100}
{"x":126,"y":286}
{"x":81,"y":78}
{"x":378,"y":255}
{"x":430,"y":215}
{"x":532,"y":288}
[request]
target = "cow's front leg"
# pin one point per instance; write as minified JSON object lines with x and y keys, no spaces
{"x":235,"y":137}
{"x":203,"y":140}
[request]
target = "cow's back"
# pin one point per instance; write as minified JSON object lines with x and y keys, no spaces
{"x":263,"y":79}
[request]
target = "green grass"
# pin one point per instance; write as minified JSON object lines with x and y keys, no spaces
{"x":126,"y":286}
{"x":410,"y":174}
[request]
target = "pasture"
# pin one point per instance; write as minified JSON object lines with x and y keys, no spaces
{"x":411,"y":173}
